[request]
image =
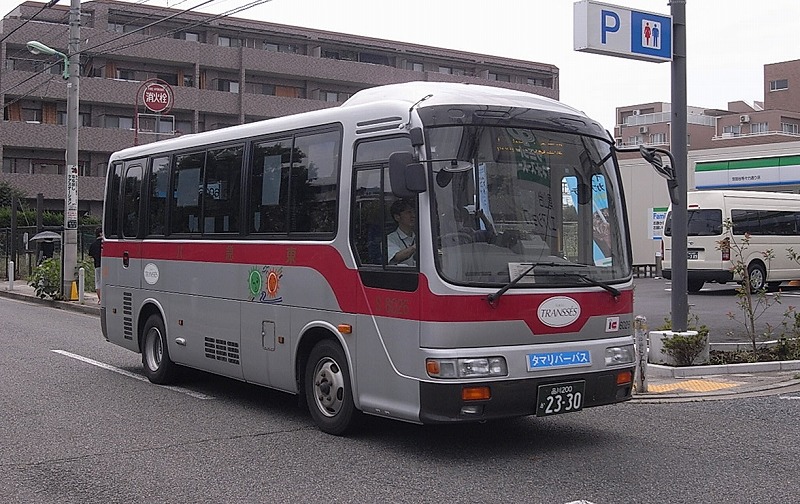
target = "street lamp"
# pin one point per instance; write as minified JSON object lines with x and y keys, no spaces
{"x":70,"y":241}
{"x":38,"y":48}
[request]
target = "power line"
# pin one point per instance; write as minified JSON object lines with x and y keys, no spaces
{"x":45,"y":6}
{"x":172,"y":16}
{"x":230,"y":12}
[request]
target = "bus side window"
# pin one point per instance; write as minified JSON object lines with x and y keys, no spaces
{"x":368,"y":227}
{"x":221,"y":195}
{"x":269,"y":183}
{"x":158,"y":188}
{"x":314,"y":184}
{"x":113,"y":204}
{"x":186,"y":186}
{"x":131,"y":199}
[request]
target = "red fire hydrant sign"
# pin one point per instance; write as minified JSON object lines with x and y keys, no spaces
{"x":157,"y":97}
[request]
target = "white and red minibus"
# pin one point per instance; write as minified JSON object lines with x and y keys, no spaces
{"x":270,"y":252}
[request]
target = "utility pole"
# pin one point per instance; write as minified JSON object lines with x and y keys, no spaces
{"x":70,"y":241}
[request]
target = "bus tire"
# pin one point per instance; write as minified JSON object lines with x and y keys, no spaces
{"x":694,"y":285}
{"x":758,"y":276}
{"x":328,"y":391}
{"x":158,"y":367}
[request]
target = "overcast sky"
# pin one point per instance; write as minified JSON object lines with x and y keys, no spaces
{"x":728,"y":41}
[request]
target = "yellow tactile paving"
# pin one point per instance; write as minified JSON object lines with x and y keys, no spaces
{"x":691,"y":386}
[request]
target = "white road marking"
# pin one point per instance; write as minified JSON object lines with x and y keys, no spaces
{"x":196,"y":395}
{"x":790,"y":397}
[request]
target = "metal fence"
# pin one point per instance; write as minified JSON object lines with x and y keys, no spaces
{"x":28,"y":255}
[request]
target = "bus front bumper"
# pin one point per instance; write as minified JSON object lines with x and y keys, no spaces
{"x":443,"y":402}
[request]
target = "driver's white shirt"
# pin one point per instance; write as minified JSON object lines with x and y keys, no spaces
{"x":396,"y":241}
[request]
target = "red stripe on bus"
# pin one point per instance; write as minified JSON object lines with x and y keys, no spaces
{"x":421,"y":305}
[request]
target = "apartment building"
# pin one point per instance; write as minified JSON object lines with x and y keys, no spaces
{"x":222,"y":71}
{"x":775,"y":119}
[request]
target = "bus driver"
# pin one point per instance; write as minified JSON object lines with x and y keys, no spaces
{"x":401,"y":242}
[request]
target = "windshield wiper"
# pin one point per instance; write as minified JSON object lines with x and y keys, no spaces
{"x":612,"y":290}
{"x":492,"y":298}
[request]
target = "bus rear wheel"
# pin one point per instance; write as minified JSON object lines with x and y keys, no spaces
{"x":329,"y":394}
{"x":158,"y":367}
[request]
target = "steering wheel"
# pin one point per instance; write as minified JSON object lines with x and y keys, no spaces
{"x":456,"y":238}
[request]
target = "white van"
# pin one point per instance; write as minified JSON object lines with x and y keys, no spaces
{"x":772,"y":221}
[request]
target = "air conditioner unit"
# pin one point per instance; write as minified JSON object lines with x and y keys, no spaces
{"x":744,"y":118}
{"x":643,"y":129}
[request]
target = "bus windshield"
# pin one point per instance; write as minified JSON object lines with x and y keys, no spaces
{"x":506,"y":199}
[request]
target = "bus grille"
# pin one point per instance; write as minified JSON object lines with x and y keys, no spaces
{"x":221,"y":350}
{"x":127,"y":315}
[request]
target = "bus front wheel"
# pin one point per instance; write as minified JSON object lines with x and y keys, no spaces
{"x":158,"y":367}
{"x":328,"y":392}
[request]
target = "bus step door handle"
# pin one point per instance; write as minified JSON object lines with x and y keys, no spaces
{"x":126,"y":259}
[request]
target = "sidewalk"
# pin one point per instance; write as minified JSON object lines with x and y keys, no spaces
{"x":663,"y":382}
{"x":24,"y":292}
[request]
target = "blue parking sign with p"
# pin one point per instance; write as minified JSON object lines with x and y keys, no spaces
{"x":617,"y":31}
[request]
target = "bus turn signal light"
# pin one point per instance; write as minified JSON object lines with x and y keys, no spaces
{"x":476,"y":393}
{"x":624,"y":377}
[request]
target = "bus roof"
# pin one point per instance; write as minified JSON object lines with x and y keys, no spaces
{"x":389,"y":99}
{"x":443,"y":93}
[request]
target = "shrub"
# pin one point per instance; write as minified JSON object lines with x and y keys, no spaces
{"x":46,"y":279}
{"x":685,"y":349}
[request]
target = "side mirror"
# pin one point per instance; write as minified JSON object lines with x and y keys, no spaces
{"x":653,"y":156}
{"x":406,"y":175}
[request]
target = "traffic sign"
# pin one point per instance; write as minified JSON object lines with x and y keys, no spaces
{"x":618,"y":31}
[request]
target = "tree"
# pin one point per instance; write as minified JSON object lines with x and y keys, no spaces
{"x":7,"y":193}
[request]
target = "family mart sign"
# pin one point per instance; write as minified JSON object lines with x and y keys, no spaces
{"x":769,"y":171}
{"x":617,"y":31}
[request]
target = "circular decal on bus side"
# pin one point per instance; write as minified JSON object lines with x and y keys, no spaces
{"x":150,"y":273}
{"x":559,"y":311}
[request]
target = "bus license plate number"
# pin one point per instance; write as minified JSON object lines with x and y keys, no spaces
{"x":558,"y":398}
{"x":692,"y":254}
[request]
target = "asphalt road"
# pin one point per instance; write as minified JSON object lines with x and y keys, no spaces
{"x":712,"y":306}
{"x":80,"y":425}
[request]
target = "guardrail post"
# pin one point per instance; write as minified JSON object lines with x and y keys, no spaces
{"x":81,"y":280}
{"x":640,"y":335}
{"x":10,"y":275}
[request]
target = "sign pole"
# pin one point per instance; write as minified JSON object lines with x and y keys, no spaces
{"x":678,"y":141}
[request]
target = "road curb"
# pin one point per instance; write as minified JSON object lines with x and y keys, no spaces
{"x":654,"y":397}
{"x":61,"y":305}
{"x":660,"y":371}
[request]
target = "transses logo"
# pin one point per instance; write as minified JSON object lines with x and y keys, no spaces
{"x":559,"y":311}
{"x":151,"y":273}
{"x":264,"y":283}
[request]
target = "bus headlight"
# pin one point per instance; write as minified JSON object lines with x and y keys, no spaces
{"x":619,"y":355}
{"x":473,"y":367}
